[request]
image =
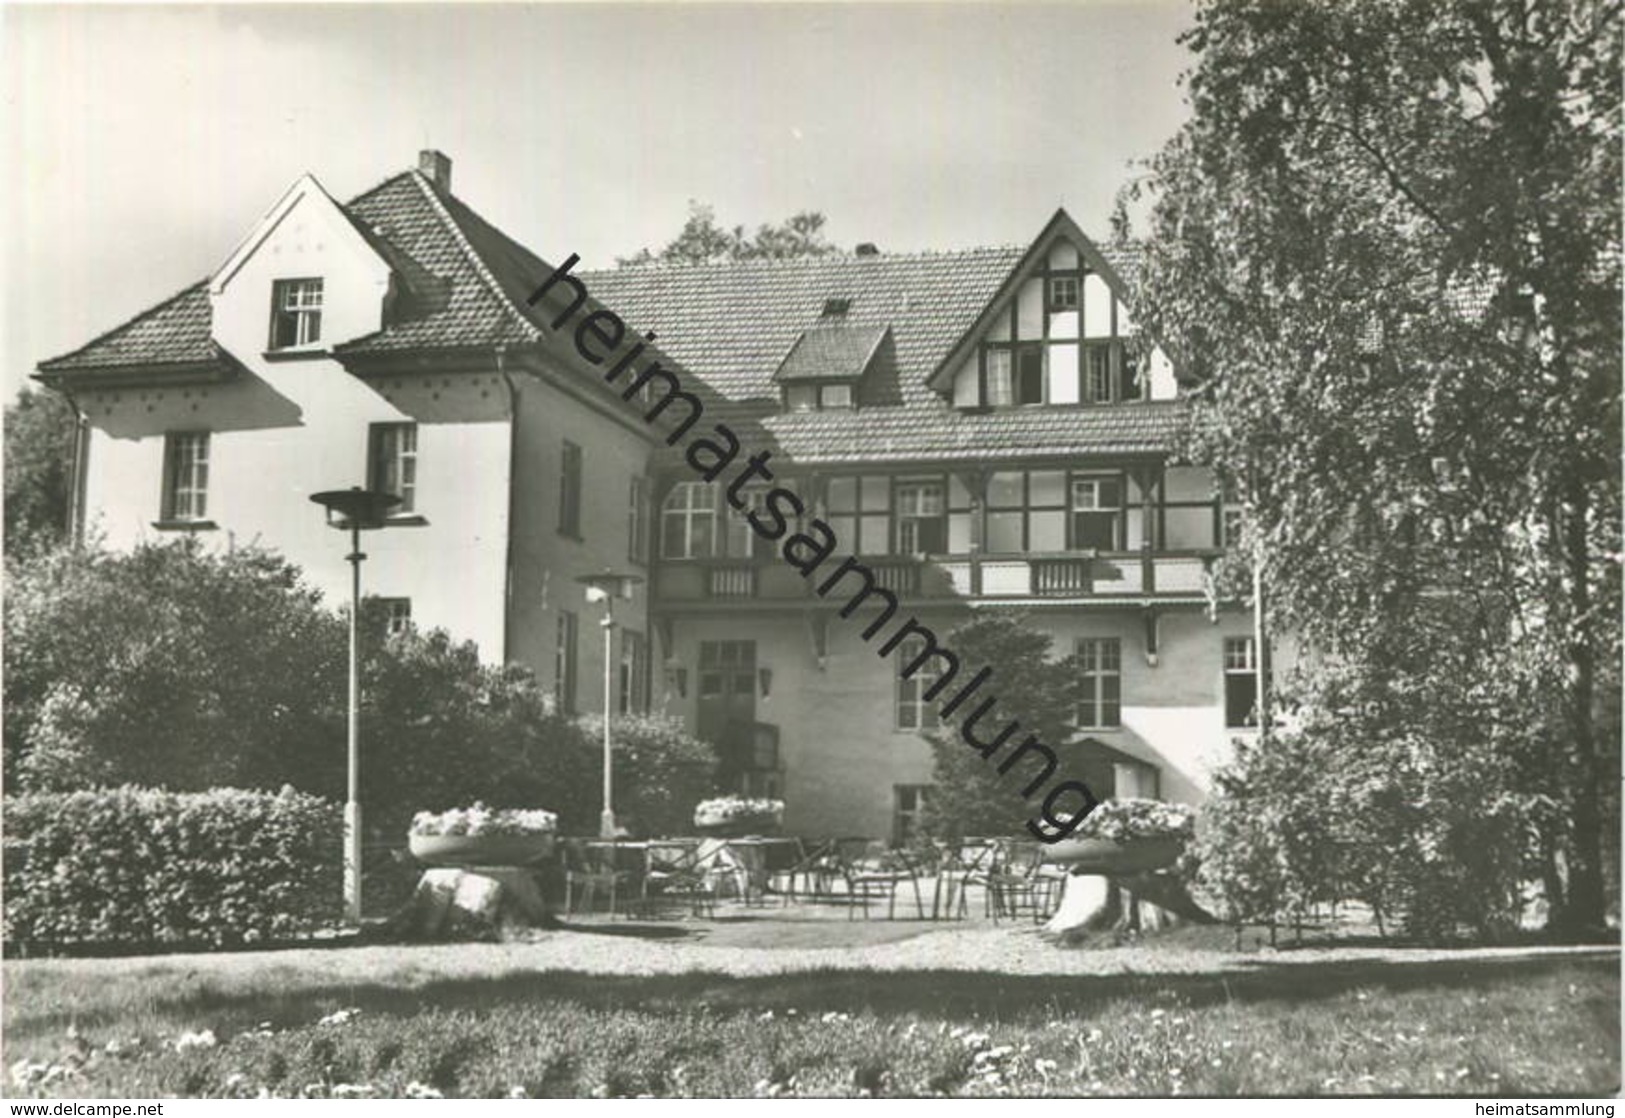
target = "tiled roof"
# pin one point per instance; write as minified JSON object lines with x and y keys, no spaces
{"x":175,"y":332}
{"x":834,"y":350}
{"x":731,"y":326}
{"x":940,"y":433}
{"x":732,"y":323}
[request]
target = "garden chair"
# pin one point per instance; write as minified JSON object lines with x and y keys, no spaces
{"x":965,"y":864}
{"x":808,"y":877}
{"x":588,"y":868}
{"x":1019,"y":883}
{"x":880,"y":874}
{"x":672,"y":873}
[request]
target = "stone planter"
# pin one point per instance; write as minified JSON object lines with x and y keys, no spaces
{"x":1098,"y":855}
{"x":480,"y":850}
{"x":739,"y":828}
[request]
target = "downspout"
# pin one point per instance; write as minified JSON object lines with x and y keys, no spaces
{"x":78,"y":468}
{"x":513,"y":465}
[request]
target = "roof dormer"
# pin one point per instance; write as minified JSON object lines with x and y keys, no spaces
{"x":825,"y":367}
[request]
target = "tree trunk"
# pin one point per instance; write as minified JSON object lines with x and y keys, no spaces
{"x":1586,"y":900}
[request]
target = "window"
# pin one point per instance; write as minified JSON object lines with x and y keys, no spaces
{"x":570,"y":490}
{"x":1097,"y":374}
{"x":397,"y":615}
{"x":637,"y":519}
{"x":922,"y":523}
{"x":296,"y":313}
{"x":1240,"y":682}
{"x":392,"y":462}
{"x":564,"y":664}
{"x":634,"y":672}
{"x":688,"y":521}
{"x":1026,"y":511}
{"x":1097,"y":513}
{"x":914,"y":711}
{"x":860,"y":513}
{"x":1063,"y":293}
{"x":186,"y":476}
{"x":835,"y":396}
{"x":1030,"y":374}
{"x":908,"y":804}
{"x":1131,"y":373}
{"x":801,"y":397}
{"x":1100,"y":663}
{"x":1000,"y":392}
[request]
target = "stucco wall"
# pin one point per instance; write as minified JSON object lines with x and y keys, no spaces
{"x":546,"y":563}
{"x":291,"y":426}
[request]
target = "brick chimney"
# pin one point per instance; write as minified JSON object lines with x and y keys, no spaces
{"x":436,"y":167}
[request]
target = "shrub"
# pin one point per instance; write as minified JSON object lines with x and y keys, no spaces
{"x":135,"y":867}
{"x":661,"y":772}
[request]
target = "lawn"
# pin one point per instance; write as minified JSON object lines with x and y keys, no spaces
{"x":533,"y":1019}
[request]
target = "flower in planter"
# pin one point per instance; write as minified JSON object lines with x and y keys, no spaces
{"x":1120,"y":821}
{"x":736,"y":809}
{"x":482,"y":820}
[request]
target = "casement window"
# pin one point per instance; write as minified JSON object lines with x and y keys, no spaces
{"x":835,"y":396}
{"x":564,"y":663}
{"x":570,"y":490}
{"x":392,"y":462}
{"x":818,"y":397}
{"x":1097,"y":513}
{"x":688,"y":521}
{"x":922,"y":519}
{"x":739,"y":539}
{"x":1001,"y":392}
{"x":860,"y":513}
{"x":908,"y":811}
{"x":1026,"y":511}
{"x":1063,"y":293}
{"x":396,"y":614}
{"x":296,"y":313}
{"x":1240,"y":682}
{"x":637,"y":519}
{"x":1030,"y":374}
{"x":634,"y":672}
{"x":1100,"y":681}
{"x":1097,"y":373}
{"x":1131,"y":372}
{"x":186,"y":476}
{"x":914,"y":711}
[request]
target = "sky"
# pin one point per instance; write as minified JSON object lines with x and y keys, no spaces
{"x":141,"y":144}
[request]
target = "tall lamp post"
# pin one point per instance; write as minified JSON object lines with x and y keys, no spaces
{"x":606,"y":587}
{"x":354,"y":510}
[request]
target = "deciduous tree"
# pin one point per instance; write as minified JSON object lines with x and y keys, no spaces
{"x":1385,"y":251}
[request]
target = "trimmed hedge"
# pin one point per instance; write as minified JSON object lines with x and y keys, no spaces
{"x":136,"y":867}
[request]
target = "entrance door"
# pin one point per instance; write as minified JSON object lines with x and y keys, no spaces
{"x":727,"y":703}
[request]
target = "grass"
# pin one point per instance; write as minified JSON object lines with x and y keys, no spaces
{"x":476,"y":1022}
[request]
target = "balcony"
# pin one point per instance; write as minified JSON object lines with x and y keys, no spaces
{"x":1078,"y":576}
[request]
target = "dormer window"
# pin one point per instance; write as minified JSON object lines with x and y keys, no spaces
{"x":1063,"y":293}
{"x":296,"y":313}
{"x":817,"y":397}
{"x":836,"y":308}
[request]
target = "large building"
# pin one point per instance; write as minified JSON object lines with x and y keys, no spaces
{"x":983,"y":429}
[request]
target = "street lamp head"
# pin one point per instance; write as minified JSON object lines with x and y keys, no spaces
{"x":609,"y":584}
{"x":356,"y":507}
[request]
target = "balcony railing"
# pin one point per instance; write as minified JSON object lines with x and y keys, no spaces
{"x":1059,"y":576}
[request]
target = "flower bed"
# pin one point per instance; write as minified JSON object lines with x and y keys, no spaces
{"x":738,"y":814}
{"x":480,"y":835}
{"x":1127,"y":836}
